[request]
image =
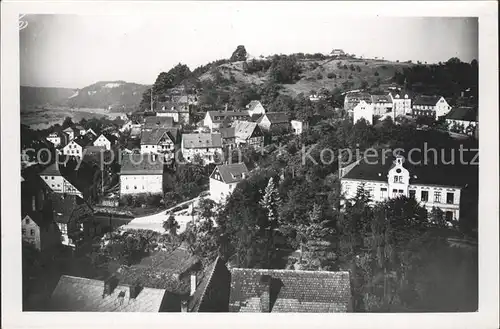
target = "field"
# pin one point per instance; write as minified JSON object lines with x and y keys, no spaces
{"x":41,"y":118}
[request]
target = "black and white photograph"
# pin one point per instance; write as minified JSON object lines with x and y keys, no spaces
{"x":242,"y":157}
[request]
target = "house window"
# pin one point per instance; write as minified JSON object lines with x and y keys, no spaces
{"x":383,"y":189}
{"x":394,"y":192}
{"x":450,"y":197}
{"x":437,"y":196}
{"x":24,"y":231}
{"x":52,"y":177}
{"x":32,"y":232}
{"x":27,"y":220}
{"x":412,"y":194}
{"x":135,"y":187}
{"x":449,"y":216}
{"x":424,"y":196}
{"x":400,"y":191}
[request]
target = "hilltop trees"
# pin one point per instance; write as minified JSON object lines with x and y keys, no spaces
{"x":285,"y":69}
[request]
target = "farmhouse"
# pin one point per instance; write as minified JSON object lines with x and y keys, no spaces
{"x":105,"y":141}
{"x":430,"y":106}
{"x":179,"y":112}
{"x":255,"y":107}
{"x":214,"y":119}
{"x":463,"y":120}
{"x":159,"y":141}
{"x":72,"y":216}
{"x":68,"y":181}
{"x":206,"y":146}
{"x":76,"y":146}
{"x":58,"y":138}
{"x":274,"y":122}
{"x":224,"y":179}
{"x":353,"y":98}
{"x":141,"y":174}
{"x":363,"y":110}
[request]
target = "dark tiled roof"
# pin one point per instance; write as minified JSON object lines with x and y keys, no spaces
{"x":224,"y":114}
{"x":277,"y":117}
{"x":227,"y":132}
{"x":51,"y":170}
{"x":202,"y":140}
{"x":463,"y":113}
{"x":200,"y":302}
{"x":245,"y":129}
{"x":69,"y":207}
{"x":255,"y":117}
{"x":232,"y":173}
{"x":426,"y":100}
{"x":376,"y":168}
{"x":158,"y":122}
{"x":380,"y":99}
{"x":141,"y":164}
{"x":356,"y":97}
{"x":252,"y":105}
{"x":38,"y":217}
{"x":153,"y":137}
{"x":82,"y":140}
{"x":401,"y":94}
{"x":291,"y":291}
{"x":86,"y":295}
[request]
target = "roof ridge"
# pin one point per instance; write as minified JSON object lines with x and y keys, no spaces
{"x":283,"y":270}
{"x":208,"y":283}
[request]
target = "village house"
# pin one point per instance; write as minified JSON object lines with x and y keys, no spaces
{"x":276,"y":122}
{"x":242,"y":133}
{"x":38,"y":227}
{"x":214,"y":119}
{"x":299,"y":127}
{"x":160,"y":141}
{"x":179,"y":112}
{"x":363,"y":110}
{"x":401,"y":102}
{"x":129,"y":125}
{"x":141,"y":174}
{"x":382,"y":105}
{"x":430,"y":106}
{"x":224,"y":179}
{"x":73,"y":217}
{"x":76,"y":146}
{"x":204,"y":145}
{"x":58,"y":138}
{"x":66,"y":178}
{"x":105,"y":141}
{"x":255,"y":107}
{"x":228,"y":137}
{"x":155,"y":122}
{"x":385,"y":179}
{"x":463,"y":120}
{"x":296,"y":291}
{"x":74,"y":132}
{"x":353,"y":98}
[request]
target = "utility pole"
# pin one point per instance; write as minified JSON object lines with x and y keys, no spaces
{"x":151,"y":99}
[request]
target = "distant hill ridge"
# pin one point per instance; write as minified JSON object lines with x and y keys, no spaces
{"x":113,"y":95}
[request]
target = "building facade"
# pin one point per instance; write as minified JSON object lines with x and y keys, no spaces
{"x":401,"y":102}
{"x":363,"y":110}
{"x":383,"y":183}
{"x":207,"y":147}
{"x":141,"y":174}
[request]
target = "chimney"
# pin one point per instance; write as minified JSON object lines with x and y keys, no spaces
{"x":193,"y":283}
{"x":265,"y":300}
{"x":134,"y":290}
{"x":110,"y":285}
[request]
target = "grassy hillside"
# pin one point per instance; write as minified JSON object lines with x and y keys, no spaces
{"x":344,"y":74}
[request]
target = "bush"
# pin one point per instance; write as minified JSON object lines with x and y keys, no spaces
{"x":331,"y":75}
{"x":153,"y":199}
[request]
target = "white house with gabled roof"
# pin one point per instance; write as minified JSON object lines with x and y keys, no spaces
{"x":224,"y":179}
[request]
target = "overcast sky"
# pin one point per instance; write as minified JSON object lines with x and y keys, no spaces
{"x":75,"y":51}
